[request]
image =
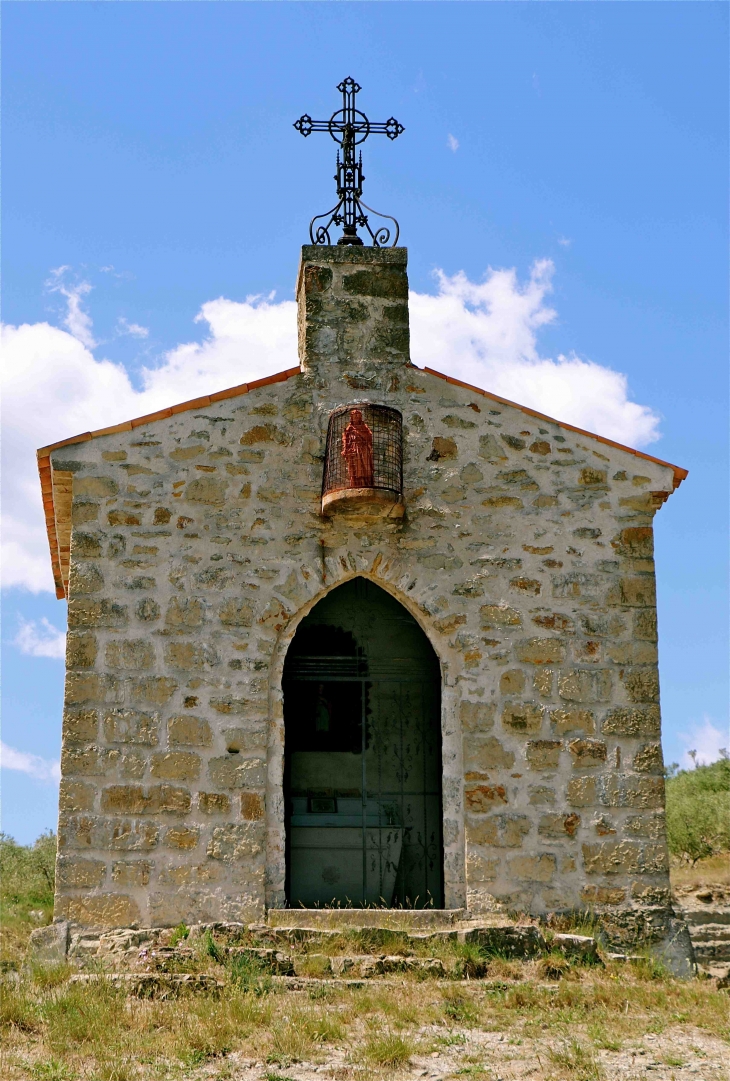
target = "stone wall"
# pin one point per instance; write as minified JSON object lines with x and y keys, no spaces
{"x":198,"y":545}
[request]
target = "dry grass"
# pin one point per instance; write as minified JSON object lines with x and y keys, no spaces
{"x":62,"y":1031}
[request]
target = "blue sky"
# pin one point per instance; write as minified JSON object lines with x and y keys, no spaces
{"x":149,"y":150}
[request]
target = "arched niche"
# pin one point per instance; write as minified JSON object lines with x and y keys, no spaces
{"x":362,"y":755}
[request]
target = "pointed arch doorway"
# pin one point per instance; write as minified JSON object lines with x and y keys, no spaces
{"x":362,"y":764}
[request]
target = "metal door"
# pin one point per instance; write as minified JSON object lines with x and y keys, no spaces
{"x":363,"y":758}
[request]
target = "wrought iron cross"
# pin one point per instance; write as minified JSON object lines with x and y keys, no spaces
{"x":349,"y":127}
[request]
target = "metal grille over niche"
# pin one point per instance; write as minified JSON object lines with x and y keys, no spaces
{"x":364,"y":453}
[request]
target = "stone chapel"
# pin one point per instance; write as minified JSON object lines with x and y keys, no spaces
{"x":356,"y":634}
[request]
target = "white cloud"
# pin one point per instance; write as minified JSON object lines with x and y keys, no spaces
{"x":133,"y":329}
{"x":40,"y":639}
{"x":486,"y":334}
{"x":564,"y":241}
{"x":706,"y":739}
{"x":452,"y":142}
{"x":42,"y":769}
{"x":76,"y":319}
{"x":482,"y":332}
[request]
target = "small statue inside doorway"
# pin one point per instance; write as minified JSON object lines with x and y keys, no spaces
{"x":322,"y":711}
{"x":357,"y":450}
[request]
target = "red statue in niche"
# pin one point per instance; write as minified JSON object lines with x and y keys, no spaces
{"x":357,"y":450}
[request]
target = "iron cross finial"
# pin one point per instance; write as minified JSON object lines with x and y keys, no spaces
{"x":349,"y":127}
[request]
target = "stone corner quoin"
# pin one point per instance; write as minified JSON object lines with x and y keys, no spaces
{"x":191,"y":545}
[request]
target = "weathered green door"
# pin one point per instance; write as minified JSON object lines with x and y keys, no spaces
{"x":362,"y":692}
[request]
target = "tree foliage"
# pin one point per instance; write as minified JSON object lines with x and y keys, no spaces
{"x":698,"y":811}
{"x":27,"y":872}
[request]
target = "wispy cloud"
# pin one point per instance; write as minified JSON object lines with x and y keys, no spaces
{"x":133,"y":329}
{"x":40,"y":639}
{"x":42,"y":769}
{"x":76,"y":320}
{"x":452,"y":142}
{"x":564,"y":241}
{"x":706,"y":740}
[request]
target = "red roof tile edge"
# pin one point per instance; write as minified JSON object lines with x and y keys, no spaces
{"x":44,"y":463}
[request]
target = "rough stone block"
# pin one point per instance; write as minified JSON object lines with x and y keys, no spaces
{"x":210,"y":491}
{"x":636,"y":592}
{"x":541,"y":795}
{"x":75,"y":872}
{"x":480,"y":798}
{"x":93,"y":612}
{"x":635,"y":542}
{"x":477,"y":716}
{"x":543,"y":753}
{"x":482,"y":755}
{"x":213,"y":803}
{"x":103,"y":910}
{"x":540,"y":650}
{"x":75,"y":796}
{"x":100,"y":487}
{"x":252,"y":806}
{"x":81,"y":649}
{"x":512,"y":682}
{"x":567,"y":721}
{"x":499,"y":615}
{"x":587,"y":752}
{"x":542,"y":682}
{"x":558,"y":825}
{"x":88,"y":761}
{"x":481,"y":865}
{"x":189,"y":731}
{"x":131,"y":726}
{"x":137,"y":836}
{"x":645,"y":626}
{"x":50,"y":944}
{"x":91,"y":687}
{"x":152,"y":690}
{"x":522,"y":717}
{"x":175,"y":766}
{"x":501,"y":830}
{"x":131,"y":873}
{"x":232,"y":771}
{"x":586,"y":685}
{"x":581,"y":792}
{"x":85,"y":578}
{"x":236,"y":612}
{"x":636,"y":721}
{"x":236,"y":842}
{"x":130,"y":654}
{"x":185,"y":613}
{"x":603,"y":895}
{"x":624,"y":857}
{"x":651,"y":826}
{"x":534,"y":868}
{"x":80,"y":725}
{"x":182,"y":837}
{"x":642,"y":684}
{"x":616,"y":790}
{"x":135,"y":800}
{"x":649,"y":759}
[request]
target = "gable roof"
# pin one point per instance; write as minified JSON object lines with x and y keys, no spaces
{"x":53,"y":493}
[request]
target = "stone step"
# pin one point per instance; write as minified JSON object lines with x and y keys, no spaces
{"x":695,"y":917}
{"x":712,"y":951}
{"x":397,"y":919}
{"x":705,"y":931}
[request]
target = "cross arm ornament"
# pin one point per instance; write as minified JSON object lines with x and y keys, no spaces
{"x":349,"y":127}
